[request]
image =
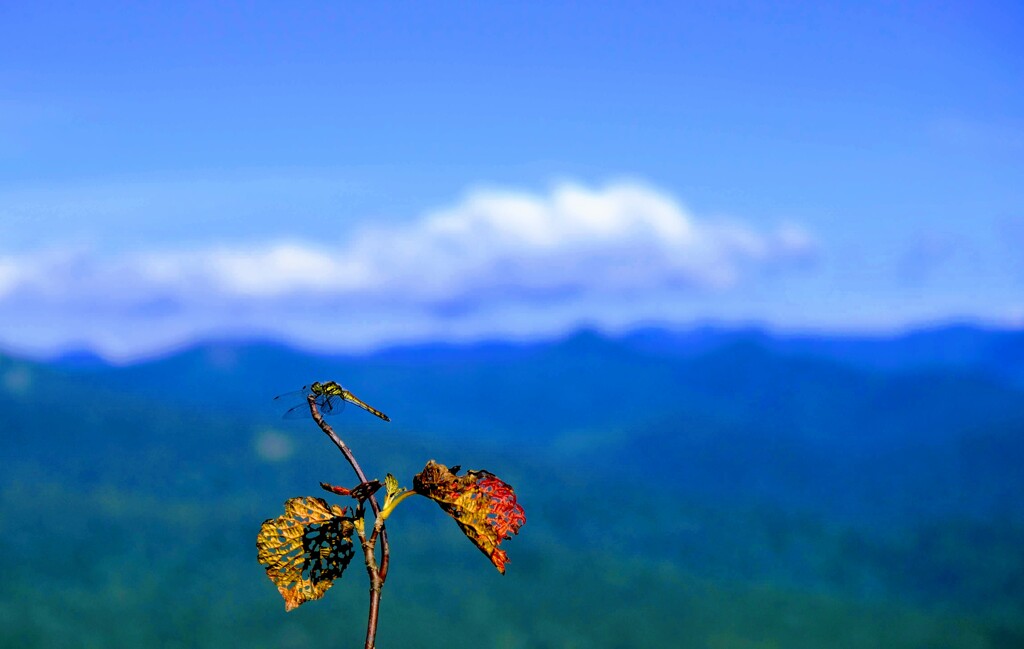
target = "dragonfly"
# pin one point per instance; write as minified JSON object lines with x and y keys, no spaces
{"x":331,"y":398}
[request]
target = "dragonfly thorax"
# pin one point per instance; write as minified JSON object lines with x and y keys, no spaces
{"x":326,"y":388}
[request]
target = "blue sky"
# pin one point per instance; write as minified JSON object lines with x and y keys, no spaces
{"x":350,"y":176}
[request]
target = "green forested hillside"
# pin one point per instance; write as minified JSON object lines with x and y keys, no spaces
{"x":740,"y":497}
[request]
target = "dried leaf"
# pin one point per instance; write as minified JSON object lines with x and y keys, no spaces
{"x":305,"y":549}
{"x":334,"y":489}
{"x":360,"y":492}
{"x":366,"y":489}
{"x":484,"y":506}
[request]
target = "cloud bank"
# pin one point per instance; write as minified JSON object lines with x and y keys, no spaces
{"x":496,"y":262}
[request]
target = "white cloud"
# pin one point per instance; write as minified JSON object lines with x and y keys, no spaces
{"x":575,"y":251}
{"x":496,"y":246}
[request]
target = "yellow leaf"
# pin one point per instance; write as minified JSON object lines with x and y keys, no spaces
{"x":305,"y":549}
{"x":484,"y":506}
{"x":391,"y":484}
{"x":395,"y":495}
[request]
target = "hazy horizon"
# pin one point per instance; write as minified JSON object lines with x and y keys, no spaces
{"x":315,"y":347}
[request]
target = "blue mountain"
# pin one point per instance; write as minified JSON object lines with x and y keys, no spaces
{"x":892,"y":426}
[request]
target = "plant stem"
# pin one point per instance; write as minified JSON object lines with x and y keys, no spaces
{"x":376,"y":573}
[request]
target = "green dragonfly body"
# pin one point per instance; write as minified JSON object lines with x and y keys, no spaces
{"x":331,"y":398}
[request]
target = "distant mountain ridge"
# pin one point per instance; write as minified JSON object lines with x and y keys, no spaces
{"x":995,"y":352}
{"x":584,"y":380}
{"x":998,"y":353}
{"x":959,"y":345}
{"x":734,"y":411}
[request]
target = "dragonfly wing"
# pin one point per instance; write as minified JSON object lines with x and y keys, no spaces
{"x":293,"y":396}
{"x":296,"y":400}
{"x":332,"y":404}
{"x":300,"y":411}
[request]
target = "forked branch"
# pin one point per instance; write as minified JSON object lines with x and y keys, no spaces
{"x":377,"y":573}
{"x":309,"y":546}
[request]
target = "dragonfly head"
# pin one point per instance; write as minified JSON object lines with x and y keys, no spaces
{"x":316,"y":387}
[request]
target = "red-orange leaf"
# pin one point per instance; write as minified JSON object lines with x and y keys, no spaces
{"x":484,"y":506}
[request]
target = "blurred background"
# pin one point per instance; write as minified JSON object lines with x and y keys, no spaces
{"x":731,"y":293}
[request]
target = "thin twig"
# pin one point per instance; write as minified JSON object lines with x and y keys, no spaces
{"x":376,"y":573}
{"x":347,"y":452}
